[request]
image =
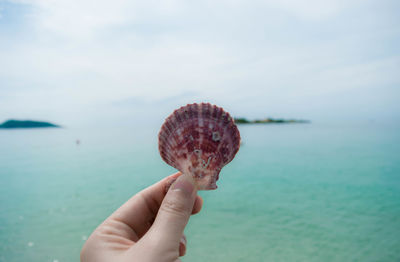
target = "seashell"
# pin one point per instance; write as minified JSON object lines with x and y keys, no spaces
{"x":199,"y":139}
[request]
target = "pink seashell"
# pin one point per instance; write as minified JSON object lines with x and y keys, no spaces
{"x":199,"y":139}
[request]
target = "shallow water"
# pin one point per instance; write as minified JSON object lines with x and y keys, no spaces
{"x":301,"y":192}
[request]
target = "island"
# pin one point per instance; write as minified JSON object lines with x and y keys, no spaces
{"x":26,"y":124}
{"x":242,"y":120}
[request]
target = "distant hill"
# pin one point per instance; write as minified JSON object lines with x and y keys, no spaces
{"x":26,"y":124}
{"x":268,"y":121}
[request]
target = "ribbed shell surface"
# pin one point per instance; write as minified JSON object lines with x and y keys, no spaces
{"x":199,"y":139}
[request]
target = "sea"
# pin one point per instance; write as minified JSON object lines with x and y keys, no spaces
{"x":294,"y":192}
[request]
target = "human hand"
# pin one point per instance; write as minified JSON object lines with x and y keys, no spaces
{"x":148,"y":227}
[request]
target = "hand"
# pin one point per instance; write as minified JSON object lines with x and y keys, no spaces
{"x":149,"y":226}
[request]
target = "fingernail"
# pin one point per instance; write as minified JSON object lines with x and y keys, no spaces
{"x":184,"y":183}
{"x":182,"y":247}
{"x":183,"y":240}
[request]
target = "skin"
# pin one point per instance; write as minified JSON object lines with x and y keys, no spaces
{"x":149,"y":226}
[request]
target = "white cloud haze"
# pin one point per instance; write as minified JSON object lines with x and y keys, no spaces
{"x":70,"y":61}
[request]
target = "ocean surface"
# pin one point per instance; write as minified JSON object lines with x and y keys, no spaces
{"x":298,"y":192}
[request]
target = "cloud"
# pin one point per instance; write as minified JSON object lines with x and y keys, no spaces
{"x":274,"y":56}
{"x":86,"y":18}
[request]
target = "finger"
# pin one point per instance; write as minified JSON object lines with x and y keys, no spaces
{"x":139,"y":212}
{"x":182,"y":246}
{"x":173,"y":215}
{"x":198,"y":204}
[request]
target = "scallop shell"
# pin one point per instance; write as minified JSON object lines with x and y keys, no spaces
{"x":199,"y":139}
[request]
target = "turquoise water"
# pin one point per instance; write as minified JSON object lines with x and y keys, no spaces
{"x":303,"y":192}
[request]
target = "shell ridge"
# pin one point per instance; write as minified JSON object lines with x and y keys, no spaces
{"x":222,"y":139}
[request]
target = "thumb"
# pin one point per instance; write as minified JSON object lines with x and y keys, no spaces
{"x":174,"y":213}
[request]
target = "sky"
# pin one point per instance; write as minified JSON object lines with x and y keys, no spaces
{"x":77,"y":62}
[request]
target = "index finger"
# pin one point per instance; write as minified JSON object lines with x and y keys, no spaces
{"x":140,"y":210}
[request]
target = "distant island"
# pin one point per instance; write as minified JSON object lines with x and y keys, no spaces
{"x":242,"y":120}
{"x":26,"y":124}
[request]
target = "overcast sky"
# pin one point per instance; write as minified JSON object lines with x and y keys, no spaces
{"x":77,"y":61}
